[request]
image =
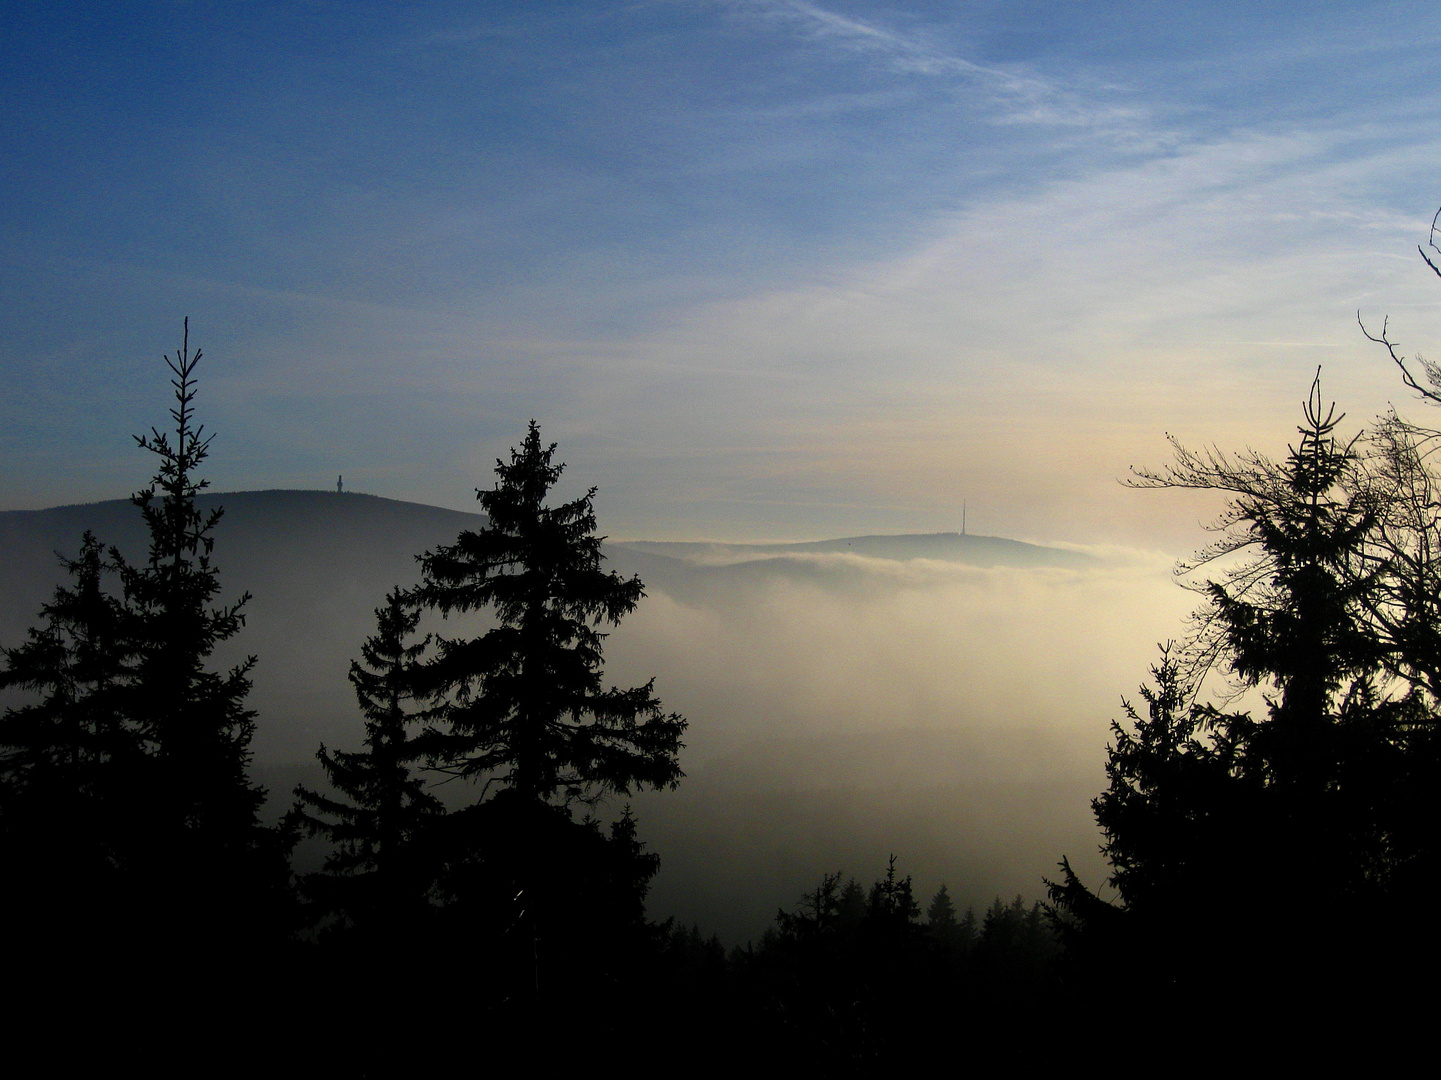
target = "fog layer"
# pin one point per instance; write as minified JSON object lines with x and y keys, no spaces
{"x":844,"y":708}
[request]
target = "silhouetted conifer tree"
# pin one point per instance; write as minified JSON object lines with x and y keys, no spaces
{"x":209,"y":856}
{"x":1242,"y":841}
{"x":1015,"y":949}
{"x":527,"y":706}
{"x":941,"y":914}
{"x":851,"y":906}
{"x":68,"y":761}
{"x":379,"y":874}
{"x":891,"y":901}
{"x":523,"y":708}
{"x":130,"y":775}
{"x":842,"y":987}
{"x":943,"y":926}
{"x":968,"y":929}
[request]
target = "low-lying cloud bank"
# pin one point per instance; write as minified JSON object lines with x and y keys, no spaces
{"x":844,"y":708}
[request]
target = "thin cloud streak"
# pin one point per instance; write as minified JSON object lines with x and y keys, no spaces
{"x":1020,"y":98}
{"x":991,"y":364}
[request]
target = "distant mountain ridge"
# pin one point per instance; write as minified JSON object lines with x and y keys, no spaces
{"x":318,"y":563}
{"x":324,"y":537}
{"x":969,"y":548}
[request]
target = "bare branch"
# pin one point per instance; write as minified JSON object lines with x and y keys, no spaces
{"x":1431,"y":369}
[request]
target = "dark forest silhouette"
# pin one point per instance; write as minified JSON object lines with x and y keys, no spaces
{"x":1269,"y":846}
{"x":1275,"y":846}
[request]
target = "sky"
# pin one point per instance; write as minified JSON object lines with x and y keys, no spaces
{"x":764,"y":269}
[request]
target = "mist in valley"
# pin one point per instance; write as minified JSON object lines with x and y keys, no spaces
{"x":844,"y":708}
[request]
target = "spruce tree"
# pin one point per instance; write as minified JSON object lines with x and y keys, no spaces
{"x":526,"y":704}
{"x":942,"y":924}
{"x":522,"y":709}
{"x":67,"y":821}
{"x":1247,"y":837}
{"x":1293,"y":621}
{"x":127,"y":779}
{"x":851,"y":906}
{"x":378,"y":876}
{"x":207,"y":852}
{"x":891,"y":902}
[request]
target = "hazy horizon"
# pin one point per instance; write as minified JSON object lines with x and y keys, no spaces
{"x":843,"y":706}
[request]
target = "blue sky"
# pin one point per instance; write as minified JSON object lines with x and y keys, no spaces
{"x":763,"y":269}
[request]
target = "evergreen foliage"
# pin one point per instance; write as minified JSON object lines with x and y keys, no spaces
{"x":941,"y":913}
{"x":67,"y":819}
{"x":852,"y":904}
{"x":129,"y":825}
{"x":1241,"y":839}
{"x":378,"y":873}
{"x":526,"y":705}
{"x":827,"y":991}
{"x":891,"y":902}
{"x":523,"y":709}
{"x":1016,"y":947}
{"x":193,"y":720}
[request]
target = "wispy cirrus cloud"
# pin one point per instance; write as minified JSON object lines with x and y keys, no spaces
{"x":1017,"y":96}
